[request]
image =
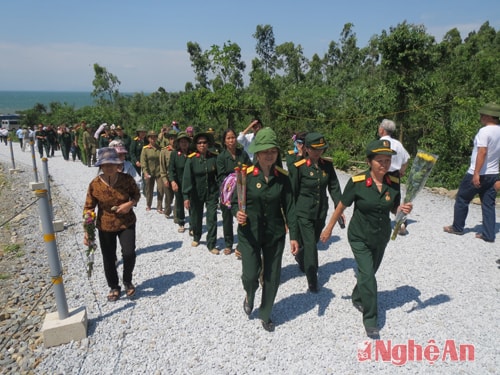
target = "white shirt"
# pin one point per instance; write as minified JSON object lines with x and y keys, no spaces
{"x":488,"y":136}
{"x":245,"y":140}
{"x":401,"y":157}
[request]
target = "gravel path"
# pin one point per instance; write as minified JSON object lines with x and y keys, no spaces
{"x":187,"y":316}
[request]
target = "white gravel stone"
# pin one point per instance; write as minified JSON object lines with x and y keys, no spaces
{"x":187,"y":315}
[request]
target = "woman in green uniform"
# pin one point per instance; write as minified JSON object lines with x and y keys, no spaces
{"x":199,"y":187}
{"x":311,"y":178}
{"x":261,"y":229}
{"x":375,"y":194}
{"x":175,"y":173}
{"x":230,"y":158}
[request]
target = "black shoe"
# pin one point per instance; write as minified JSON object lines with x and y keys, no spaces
{"x":300,"y":262}
{"x":246,"y":307}
{"x":269,"y":326}
{"x":313,"y":288}
{"x":372,"y":332}
{"x":358,"y":307}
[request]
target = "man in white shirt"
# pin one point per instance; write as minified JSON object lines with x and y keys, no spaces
{"x":399,"y":161}
{"x":245,"y":137}
{"x":481,"y":176}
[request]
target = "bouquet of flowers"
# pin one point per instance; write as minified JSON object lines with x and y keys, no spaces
{"x":241,"y":186}
{"x":419,"y":173}
{"x":89,"y":227}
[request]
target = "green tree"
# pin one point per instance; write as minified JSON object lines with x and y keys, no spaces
{"x":105,"y":84}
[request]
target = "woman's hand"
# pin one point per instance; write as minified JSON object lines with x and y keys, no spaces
{"x":241,"y":217}
{"x":86,"y":239}
{"x":175,"y":187}
{"x":294,"y":247}
{"x":327,"y":233}
{"x":124,"y":208}
{"x":406,"y":207}
{"x":187,"y":204}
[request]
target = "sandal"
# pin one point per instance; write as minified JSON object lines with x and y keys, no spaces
{"x":114,"y":295}
{"x":449,"y":229}
{"x":480,"y":236}
{"x":228,"y":251}
{"x":129,"y":289}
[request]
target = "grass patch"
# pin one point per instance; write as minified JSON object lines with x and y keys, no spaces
{"x":13,"y":249}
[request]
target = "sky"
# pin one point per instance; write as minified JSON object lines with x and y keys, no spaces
{"x":52,"y":45}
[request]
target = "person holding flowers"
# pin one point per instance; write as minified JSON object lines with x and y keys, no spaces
{"x":375,"y":195}
{"x":481,"y":176}
{"x":262,"y":217}
{"x":114,"y":194}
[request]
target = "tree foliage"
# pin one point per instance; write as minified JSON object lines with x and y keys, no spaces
{"x":432,"y":90}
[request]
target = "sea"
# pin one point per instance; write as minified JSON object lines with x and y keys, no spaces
{"x":15,"y":101}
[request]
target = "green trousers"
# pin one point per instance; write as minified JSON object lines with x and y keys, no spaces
{"x":309,"y":232}
{"x":227,"y":226}
{"x":368,"y":259}
{"x":196,"y":219}
{"x":268,"y":256}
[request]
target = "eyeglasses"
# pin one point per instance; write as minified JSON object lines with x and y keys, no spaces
{"x":201,"y":143}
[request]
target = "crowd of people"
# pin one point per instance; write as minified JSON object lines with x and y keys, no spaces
{"x":193,"y":176}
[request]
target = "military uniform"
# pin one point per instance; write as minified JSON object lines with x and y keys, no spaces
{"x":310,"y":183}
{"x":264,"y":233}
{"x":165,"y":155}
{"x":269,"y":208}
{"x":136,"y":146}
{"x":150,"y":164}
{"x":90,"y":146}
{"x":175,"y":174}
{"x":369,"y":232}
{"x":199,"y":186}
{"x":225,"y":166}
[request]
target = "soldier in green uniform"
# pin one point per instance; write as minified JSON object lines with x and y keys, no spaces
{"x":176,"y":166}
{"x":199,"y":187}
{"x":375,"y":195}
{"x":230,"y":158}
{"x":165,"y":154}
{"x":79,"y":139}
{"x":262,"y":226}
{"x":311,"y":178}
{"x":136,"y":146}
{"x":123,"y":137}
{"x":90,"y":145}
{"x":150,"y":163}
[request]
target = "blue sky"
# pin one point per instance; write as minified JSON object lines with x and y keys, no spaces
{"x":53,"y":44}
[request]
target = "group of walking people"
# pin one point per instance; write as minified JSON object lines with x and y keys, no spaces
{"x":277,"y":201}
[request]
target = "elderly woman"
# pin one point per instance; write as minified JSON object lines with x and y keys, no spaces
{"x":262,"y":226}
{"x":375,"y":195}
{"x":114,"y":194}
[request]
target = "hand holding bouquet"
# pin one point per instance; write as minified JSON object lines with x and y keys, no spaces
{"x":89,"y":239}
{"x":419,"y":173}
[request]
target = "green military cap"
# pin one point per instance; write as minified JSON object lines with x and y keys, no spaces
{"x":208,"y":136}
{"x":141,"y":129}
{"x":172,"y":133}
{"x":152,"y":133}
{"x":379,"y":147}
{"x":264,"y":140}
{"x":316,"y":141}
{"x":490,"y":109}
{"x":182,"y":135}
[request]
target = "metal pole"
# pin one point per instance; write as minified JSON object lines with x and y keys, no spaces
{"x":45,"y":170}
{"x":35,"y":171}
{"x":51,"y":247}
{"x":11,"y":153}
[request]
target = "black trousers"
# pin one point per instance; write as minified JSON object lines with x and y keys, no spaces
{"x":107,"y":241}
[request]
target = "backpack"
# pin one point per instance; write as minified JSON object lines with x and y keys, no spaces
{"x":227,"y":189}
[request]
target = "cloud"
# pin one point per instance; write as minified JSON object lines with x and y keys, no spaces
{"x":70,"y":67}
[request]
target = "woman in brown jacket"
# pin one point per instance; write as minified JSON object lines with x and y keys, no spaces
{"x":114,"y":194}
